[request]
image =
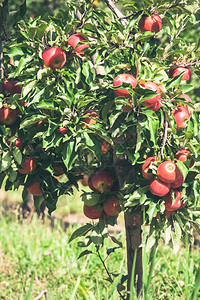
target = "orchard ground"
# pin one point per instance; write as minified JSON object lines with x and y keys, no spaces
{"x":36,"y":256}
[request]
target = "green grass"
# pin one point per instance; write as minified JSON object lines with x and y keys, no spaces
{"x":36,"y":256}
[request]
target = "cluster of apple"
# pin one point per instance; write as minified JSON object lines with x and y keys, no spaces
{"x":101,"y":181}
{"x":167,"y":179}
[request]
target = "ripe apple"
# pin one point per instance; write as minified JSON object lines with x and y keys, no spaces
{"x":100,"y":181}
{"x":28,"y":165}
{"x":159,"y":188}
{"x":90,"y":179}
{"x":8,"y":116}
{"x":12,"y":86}
{"x":111,"y":206}
{"x":58,"y":170}
{"x":153,"y":23}
{"x":92,"y":114}
{"x":54,"y":58}
{"x":175,"y":71}
{"x":188,"y":99}
{"x":145,"y":167}
{"x":17,"y":143}
{"x":124,"y":78}
{"x":170,"y":205}
{"x":167,"y":171}
{"x":181,"y":115}
{"x":155,"y":102}
{"x":63,"y":130}
{"x":183,"y":154}
{"x":34,"y":189}
{"x":84,"y":180}
{"x":105,"y":146}
{"x":75,"y":39}
{"x":92,"y":212}
{"x":179,"y":180}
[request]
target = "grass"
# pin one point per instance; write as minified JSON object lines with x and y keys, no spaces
{"x":37,"y":256}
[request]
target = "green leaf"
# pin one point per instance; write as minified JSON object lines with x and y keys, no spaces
{"x":81,"y":231}
{"x":116,"y":241}
{"x":152,"y":126}
{"x":28,"y":88}
{"x":5,"y":161}
{"x":17,"y":155}
{"x":182,"y":167}
{"x":14,"y":51}
{"x":69,"y":154}
{"x":32,"y":120}
{"x":84,"y":253}
{"x":152,"y":211}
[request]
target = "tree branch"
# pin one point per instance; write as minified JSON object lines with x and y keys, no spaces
{"x":117,"y":12}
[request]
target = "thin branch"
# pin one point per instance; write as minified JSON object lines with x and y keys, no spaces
{"x":117,"y":12}
{"x":165,"y":135}
{"x":44,"y":292}
{"x":1,"y":66}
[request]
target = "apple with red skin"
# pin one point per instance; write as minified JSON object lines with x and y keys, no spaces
{"x":105,"y":146}
{"x":34,"y":189}
{"x":188,"y":99}
{"x":167,"y":171}
{"x":100,"y":181}
{"x":54,"y":58}
{"x":124,"y":78}
{"x":181,"y":115}
{"x":111,"y":206}
{"x":182,"y":155}
{"x":75,"y":39}
{"x":150,"y":23}
{"x":90,"y":179}
{"x":159,"y":188}
{"x":8,"y":116}
{"x":28,"y":165}
{"x":63,"y":130}
{"x":12,"y":86}
{"x":146,"y":165}
{"x":179,"y":180}
{"x":155,"y":102}
{"x":170,"y":205}
{"x":17,"y":143}
{"x":92,"y":212}
{"x":175,"y":71}
{"x":92,"y":114}
{"x":58,"y":170}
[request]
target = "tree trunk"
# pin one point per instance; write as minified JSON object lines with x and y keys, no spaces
{"x":126,"y":173}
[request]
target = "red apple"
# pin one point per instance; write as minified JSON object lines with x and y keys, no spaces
{"x":145,"y":167}
{"x":54,"y":58}
{"x":28,"y":165}
{"x":90,"y":180}
{"x":159,"y":188}
{"x":75,"y":39}
{"x":171,"y":205}
{"x":63,"y":130}
{"x":188,"y":99}
{"x":124,"y":78}
{"x":111,"y":206}
{"x":58,"y":170}
{"x":105,"y":146}
{"x":101,"y":181}
{"x":167,"y":171}
{"x":92,"y":212}
{"x":34,"y":189}
{"x":179,"y":180}
{"x":175,"y":71}
{"x":181,"y":115}
{"x":8,"y":116}
{"x":183,"y":154}
{"x":17,"y":142}
{"x":155,"y":102}
{"x":92,"y":115}
{"x":12,"y":86}
{"x":153,"y":23}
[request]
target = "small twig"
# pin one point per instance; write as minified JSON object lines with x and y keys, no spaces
{"x":165,"y":135}
{"x":44,"y":292}
{"x":117,"y":12}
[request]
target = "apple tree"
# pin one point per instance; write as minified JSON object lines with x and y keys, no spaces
{"x":105,"y":92}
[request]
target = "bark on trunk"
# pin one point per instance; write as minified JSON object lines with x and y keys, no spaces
{"x":126,"y":173}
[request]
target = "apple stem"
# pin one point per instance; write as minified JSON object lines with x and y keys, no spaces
{"x":165,"y":135}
